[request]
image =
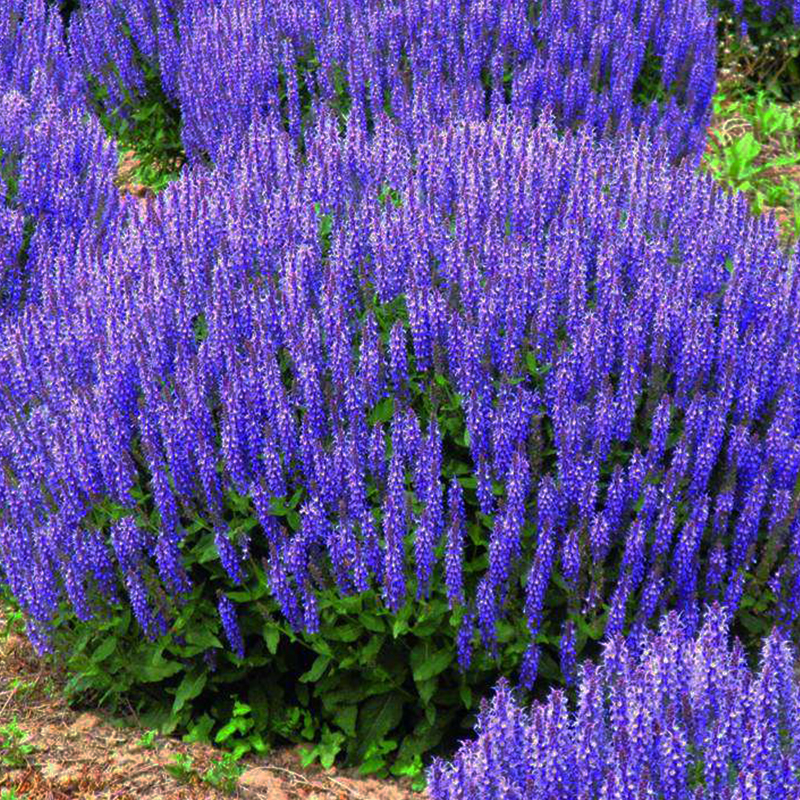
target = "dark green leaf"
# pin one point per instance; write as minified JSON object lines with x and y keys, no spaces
{"x":427,"y":689}
{"x":272,"y":636}
{"x":105,"y":650}
{"x":191,"y":686}
{"x":345,"y":717}
{"x":426,"y":664}
{"x":317,"y":669}
{"x":348,"y":632}
{"x":377,"y":717}
{"x":400,"y":625}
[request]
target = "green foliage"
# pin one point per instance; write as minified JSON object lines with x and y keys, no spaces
{"x":182,"y":768}
{"x":148,"y":125}
{"x":223,"y":773}
{"x":9,"y":172}
{"x":377,"y":690}
{"x":13,"y":623}
{"x":14,"y":748}
{"x":649,"y":85}
{"x":147,"y":740}
{"x":753,"y":149}
{"x":11,"y":794}
{"x":239,"y":731}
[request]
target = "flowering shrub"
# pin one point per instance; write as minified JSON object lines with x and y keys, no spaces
{"x":419,"y":339}
{"x":686,"y":718}
{"x":57,"y":166}
{"x":606,"y":65}
{"x":33,"y":55}
{"x":589,"y":380}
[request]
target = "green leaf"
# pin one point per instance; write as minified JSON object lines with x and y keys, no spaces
{"x":202,"y":637}
{"x":427,"y":689}
{"x":241,"y":709}
{"x":400,"y":625}
{"x":369,"y":652}
{"x":295,"y":499}
{"x":383,"y":411}
{"x":752,"y":623}
{"x":227,"y":730}
{"x":272,"y":636}
{"x":151,"y":673}
{"x":548,"y":668}
{"x":348,"y":632}
{"x":191,"y":686}
{"x":427,"y":627}
{"x":373,"y":623}
{"x":425,"y":737}
{"x":374,"y":759}
{"x":345,"y":717}
{"x":104,"y":650}
{"x":426,"y":664}
{"x":465,"y":693}
{"x":377,"y":716}
{"x":594,"y":631}
{"x":317,"y":669}
{"x":199,"y":732}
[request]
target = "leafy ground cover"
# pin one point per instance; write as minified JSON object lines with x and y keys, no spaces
{"x":754,"y":147}
{"x":50,"y":750}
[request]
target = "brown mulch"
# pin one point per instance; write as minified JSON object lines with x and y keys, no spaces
{"x":82,"y":754}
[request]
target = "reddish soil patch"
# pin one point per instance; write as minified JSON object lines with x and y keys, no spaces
{"x":125,"y":182}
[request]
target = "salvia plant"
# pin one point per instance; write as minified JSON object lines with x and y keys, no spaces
{"x":686,"y":718}
{"x":57,"y":165}
{"x":435,"y":308}
{"x":591,"y":379}
{"x":607,"y":65}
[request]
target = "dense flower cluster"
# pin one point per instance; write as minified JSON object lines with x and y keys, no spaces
{"x":421,"y":61}
{"x":57,"y":165}
{"x":618,"y":337}
{"x":686,"y":719}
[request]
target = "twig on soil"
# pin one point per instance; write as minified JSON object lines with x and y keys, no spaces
{"x":296,"y":776}
{"x":9,"y":699}
{"x":345,"y":788}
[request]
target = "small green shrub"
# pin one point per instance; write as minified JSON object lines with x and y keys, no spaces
{"x":14,"y":747}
